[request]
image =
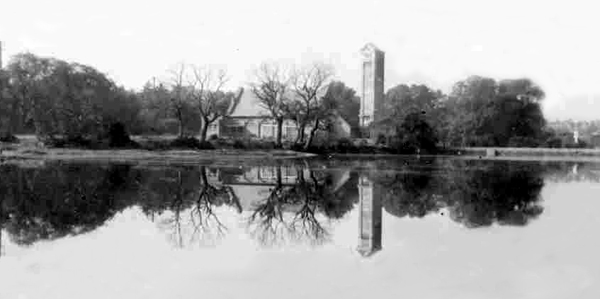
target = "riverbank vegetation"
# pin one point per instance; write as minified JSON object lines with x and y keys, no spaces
{"x":66,"y":104}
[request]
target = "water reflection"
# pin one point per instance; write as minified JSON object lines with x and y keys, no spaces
{"x":475,"y":193}
{"x":369,"y":241}
{"x":277,"y":204}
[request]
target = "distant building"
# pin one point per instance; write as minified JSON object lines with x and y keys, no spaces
{"x":595,"y":140}
{"x":372,"y":93}
{"x":251,"y":119}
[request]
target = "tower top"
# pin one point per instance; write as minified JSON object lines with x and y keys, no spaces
{"x":370,"y":48}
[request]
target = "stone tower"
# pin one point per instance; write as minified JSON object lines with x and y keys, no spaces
{"x":369,"y":240}
{"x":371,"y":100}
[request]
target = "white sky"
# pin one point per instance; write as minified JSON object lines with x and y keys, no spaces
{"x":430,"y":41}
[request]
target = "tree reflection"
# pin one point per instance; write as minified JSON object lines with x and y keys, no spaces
{"x":266,"y":222}
{"x":49,"y":203}
{"x":187,"y":202}
{"x":567,"y":172}
{"x":190,"y":198}
{"x":500,"y":192}
{"x":168,"y":190}
{"x":409,"y":194}
{"x":476,"y":193}
{"x":206,"y":223}
{"x":311,"y":195}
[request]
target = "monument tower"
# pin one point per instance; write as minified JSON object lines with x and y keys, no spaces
{"x":371,"y":100}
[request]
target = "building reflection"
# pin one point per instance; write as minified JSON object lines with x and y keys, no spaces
{"x":370,"y":208}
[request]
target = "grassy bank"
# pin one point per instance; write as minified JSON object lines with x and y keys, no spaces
{"x":163,"y":149}
{"x":29,"y":149}
{"x":527,"y":152}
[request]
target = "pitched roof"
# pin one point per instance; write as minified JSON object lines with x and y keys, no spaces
{"x":249,"y":106}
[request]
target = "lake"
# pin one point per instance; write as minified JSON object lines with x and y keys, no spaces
{"x":317,"y":228}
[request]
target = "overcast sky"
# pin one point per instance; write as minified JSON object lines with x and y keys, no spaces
{"x":426,"y":41}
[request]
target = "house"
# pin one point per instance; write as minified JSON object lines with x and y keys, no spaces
{"x":595,"y":140}
{"x":251,"y":119}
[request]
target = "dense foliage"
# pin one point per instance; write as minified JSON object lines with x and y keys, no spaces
{"x":68,"y":104}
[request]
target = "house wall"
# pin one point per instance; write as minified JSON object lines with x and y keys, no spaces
{"x":266,"y":128}
{"x":254,"y":127}
{"x":595,"y":141}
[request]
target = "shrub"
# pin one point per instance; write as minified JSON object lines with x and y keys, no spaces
{"x":185,"y":142}
{"x":554,"y":142}
{"x":264,"y":145}
{"x":519,"y":141}
{"x":238,"y":144}
{"x":213,"y":137}
{"x":75,"y":142}
{"x":153,"y":145}
{"x":8,"y":138}
{"x":118,"y":136}
{"x":250,"y":144}
{"x":190,"y":143}
{"x":206,"y":145}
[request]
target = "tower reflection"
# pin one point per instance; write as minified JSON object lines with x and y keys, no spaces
{"x":369,"y":240}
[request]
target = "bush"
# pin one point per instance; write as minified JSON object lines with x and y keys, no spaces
{"x":156,"y":145}
{"x":74,"y":142}
{"x":554,"y":142}
{"x":118,"y":137}
{"x":213,"y":137}
{"x":190,"y":143}
{"x":580,"y":144}
{"x":9,"y":138}
{"x":238,"y":144}
{"x":254,"y":144}
{"x":519,"y":141}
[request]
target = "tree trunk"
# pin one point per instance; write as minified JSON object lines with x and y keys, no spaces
{"x":300,"y":134}
{"x":204,"y":130}
{"x":278,"y":176}
{"x":180,"y":130}
{"x":279,"y":132}
{"x":313,"y":130}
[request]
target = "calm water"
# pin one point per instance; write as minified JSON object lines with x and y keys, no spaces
{"x":412,"y":228}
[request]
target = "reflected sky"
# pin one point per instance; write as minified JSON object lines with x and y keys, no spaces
{"x":429,"y":228}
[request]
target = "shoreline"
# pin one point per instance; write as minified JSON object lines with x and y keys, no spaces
{"x":29,"y":154}
{"x":146,"y":156}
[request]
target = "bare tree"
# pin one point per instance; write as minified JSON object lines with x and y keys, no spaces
{"x":212,"y":102}
{"x":180,"y":95}
{"x":271,"y":88}
{"x":310,"y":84}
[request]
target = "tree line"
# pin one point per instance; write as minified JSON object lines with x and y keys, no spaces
{"x":478,"y":111}
{"x":56,"y":99}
